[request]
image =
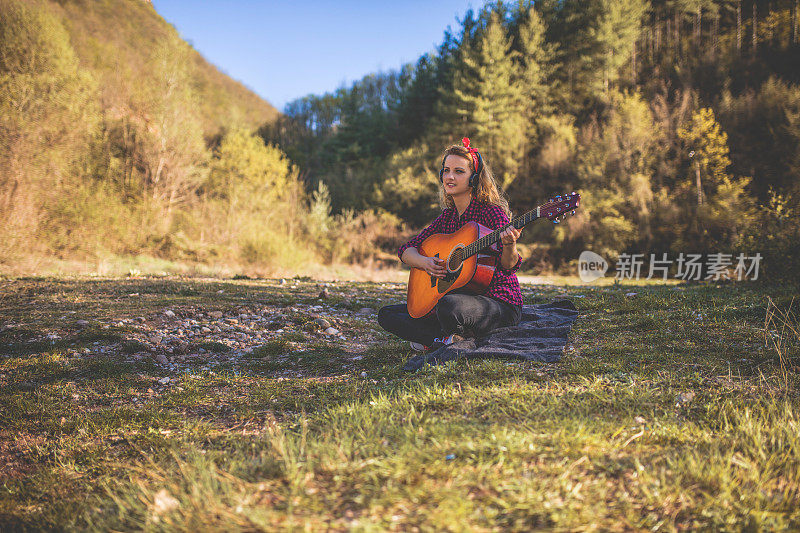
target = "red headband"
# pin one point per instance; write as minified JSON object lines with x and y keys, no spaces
{"x":472,"y":152}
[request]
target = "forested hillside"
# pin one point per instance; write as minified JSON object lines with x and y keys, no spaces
{"x":678,"y":121}
{"x":117,"y":138}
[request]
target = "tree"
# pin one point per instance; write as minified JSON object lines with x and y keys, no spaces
{"x":615,"y":33}
{"x":410,"y":189}
{"x":246,"y":173}
{"x":724,"y":206}
{"x":536,"y":55}
{"x":48,"y":116}
{"x":615,"y":165}
{"x":172,"y":149}
{"x":707,"y":145}
{"x":488,"y":99}
{"x":255,"y":184}
{"x":764,"y":128}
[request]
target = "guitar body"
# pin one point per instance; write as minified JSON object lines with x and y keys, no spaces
{"x":474,"y":274}
{"x":466,"y":266}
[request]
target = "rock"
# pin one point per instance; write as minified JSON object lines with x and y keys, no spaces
{"x":331,"y":331}
{"x":640,"y":420}
{"x":155,"y":339}
{"x":162,"y":359}
{"x":232,"y":320}
{"x":215,"y":314}
{"x":164,"y":502}
{"x":630,"y":294}
{"x":685,"y":397}
{"x":82,"y":323}
{"x":364,"y":311}
{"x":169,"y":314}
{"x":205,"y":329}
{"x":282,"y":282}
{"x":323,"y":293}
{"x":322,"y":323}
{"x":163,"y":381}
{"x":363,"y":374}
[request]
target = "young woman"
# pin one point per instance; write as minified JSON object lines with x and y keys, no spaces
{"x":467,"y":192}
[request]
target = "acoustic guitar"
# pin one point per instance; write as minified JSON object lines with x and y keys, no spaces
{"x":466,"y":265}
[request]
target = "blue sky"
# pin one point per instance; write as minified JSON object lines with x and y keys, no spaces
{"x":284,"y":50}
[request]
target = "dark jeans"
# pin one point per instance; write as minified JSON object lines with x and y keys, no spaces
{"x":467,"y":315}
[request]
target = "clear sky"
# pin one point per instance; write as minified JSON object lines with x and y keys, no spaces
{"x":287,"y":49}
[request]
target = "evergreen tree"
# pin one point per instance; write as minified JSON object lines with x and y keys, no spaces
{"x":707,"y":146}
{"x":615,"y":34}
{"x":418,"y":101}
{"x":723,"y":205}
{"x":615,"y":165}
{"x":488,"y":99}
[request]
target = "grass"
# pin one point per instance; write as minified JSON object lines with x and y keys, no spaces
{"x":674,"y":408}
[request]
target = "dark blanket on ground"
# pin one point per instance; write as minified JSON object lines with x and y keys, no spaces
{"x":540,"y":336}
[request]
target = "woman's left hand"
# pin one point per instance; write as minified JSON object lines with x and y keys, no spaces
{"x":510,"y":235}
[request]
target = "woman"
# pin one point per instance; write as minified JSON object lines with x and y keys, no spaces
{"x":467,"y":192}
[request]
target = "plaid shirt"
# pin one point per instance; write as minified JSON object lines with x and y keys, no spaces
{"x":504,"y":285}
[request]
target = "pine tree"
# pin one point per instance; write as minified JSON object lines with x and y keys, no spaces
{"x":724,"y":206}
{"x":707,"y":146}
{"x":615,"y":34}
{"x":535,"y":64}
{"x":489,"y":100}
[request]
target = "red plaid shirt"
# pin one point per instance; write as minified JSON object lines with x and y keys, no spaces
{"x":504,"y":285}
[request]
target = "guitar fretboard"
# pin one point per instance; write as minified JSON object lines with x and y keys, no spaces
{"x":488,"y":240}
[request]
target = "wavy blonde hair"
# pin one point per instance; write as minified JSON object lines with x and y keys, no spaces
{"x":486,"y":191}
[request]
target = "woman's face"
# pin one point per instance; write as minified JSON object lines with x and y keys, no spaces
{"x":456,"y":175}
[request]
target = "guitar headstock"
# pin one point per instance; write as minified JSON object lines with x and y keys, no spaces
{"x":558,"y":208}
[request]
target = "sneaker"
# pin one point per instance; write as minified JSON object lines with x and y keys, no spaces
{"x":439,"y":343}
{"x":453,"y":338}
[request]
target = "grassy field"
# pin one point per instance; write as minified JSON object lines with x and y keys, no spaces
{"x":222,"y":404}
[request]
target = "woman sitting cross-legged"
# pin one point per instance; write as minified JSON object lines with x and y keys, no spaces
{"x":468,"y":193}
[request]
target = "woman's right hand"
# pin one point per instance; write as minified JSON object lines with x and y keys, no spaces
{"x":433,"y":266}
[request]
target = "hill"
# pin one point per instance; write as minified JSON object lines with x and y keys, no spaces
{"x":115,"y":40}
{"x":117,"y":138}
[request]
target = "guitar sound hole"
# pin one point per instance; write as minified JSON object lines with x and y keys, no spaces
{"x":456,"y":258}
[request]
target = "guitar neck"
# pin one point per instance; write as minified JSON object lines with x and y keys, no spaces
{"x":488,"y":240}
